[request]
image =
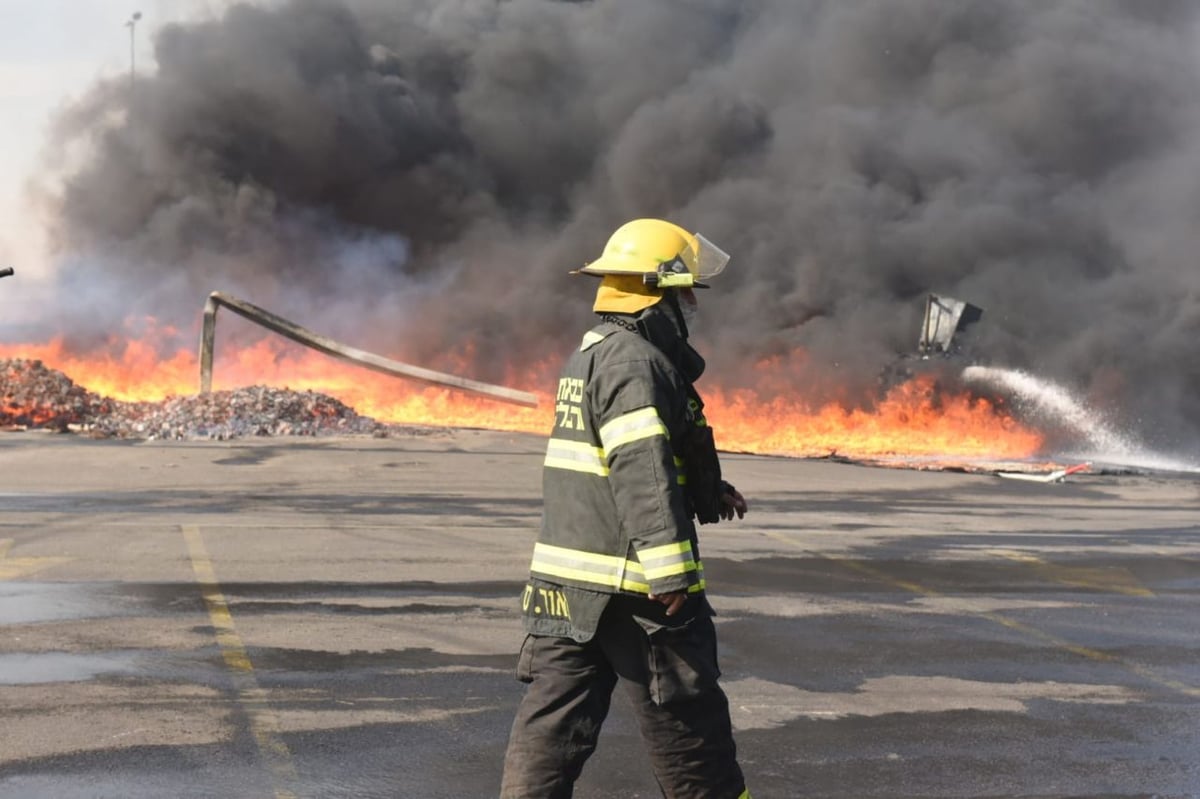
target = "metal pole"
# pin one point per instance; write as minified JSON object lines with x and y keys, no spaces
{"x":131,"y":24}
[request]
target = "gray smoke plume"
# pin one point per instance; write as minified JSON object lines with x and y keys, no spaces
{"x":417,"y":176}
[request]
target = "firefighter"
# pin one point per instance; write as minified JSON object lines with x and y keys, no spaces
{"x":616,"y":589}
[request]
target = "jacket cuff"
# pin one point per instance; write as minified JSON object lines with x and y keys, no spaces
{"x":660,"y":587}
{"x":668,"y":567}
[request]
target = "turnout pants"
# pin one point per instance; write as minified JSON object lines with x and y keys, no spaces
{"x":668,"y":670}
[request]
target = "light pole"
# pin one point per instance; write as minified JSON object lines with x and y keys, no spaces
{"x":130,"y":24}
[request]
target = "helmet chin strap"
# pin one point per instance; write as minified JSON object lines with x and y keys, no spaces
{"x":671,"y":298}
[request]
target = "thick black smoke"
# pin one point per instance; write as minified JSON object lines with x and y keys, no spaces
{"x":416,"y":177}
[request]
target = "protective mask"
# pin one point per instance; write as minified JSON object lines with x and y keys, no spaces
{"x":690,"y":312}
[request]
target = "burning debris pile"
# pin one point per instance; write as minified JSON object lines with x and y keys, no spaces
{"x":38,"y":397}
{"x":33,"y":396}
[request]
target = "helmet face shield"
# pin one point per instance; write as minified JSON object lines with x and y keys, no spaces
{"x":711,"y":259}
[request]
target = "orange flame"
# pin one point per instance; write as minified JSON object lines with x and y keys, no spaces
{"x":912,"y":419}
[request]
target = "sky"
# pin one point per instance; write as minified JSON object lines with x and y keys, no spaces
{"x":51,"y":51}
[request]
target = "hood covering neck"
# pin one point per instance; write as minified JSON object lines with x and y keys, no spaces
{"x":656,"y":325}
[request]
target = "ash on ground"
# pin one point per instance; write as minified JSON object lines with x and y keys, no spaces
{"x":35,"y":397}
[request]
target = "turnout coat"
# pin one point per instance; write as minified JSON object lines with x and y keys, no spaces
{"x":617,"y":517}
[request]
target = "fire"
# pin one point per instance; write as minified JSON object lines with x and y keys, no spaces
{"x":139,"y":374}
{"x":913,"y":419}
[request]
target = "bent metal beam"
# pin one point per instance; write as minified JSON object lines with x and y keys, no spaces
{"x":335,"y":349}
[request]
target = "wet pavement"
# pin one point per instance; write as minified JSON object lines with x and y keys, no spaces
{"x":336,"y":618}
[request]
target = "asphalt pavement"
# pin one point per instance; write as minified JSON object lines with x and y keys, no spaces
{"x":299,"y":617}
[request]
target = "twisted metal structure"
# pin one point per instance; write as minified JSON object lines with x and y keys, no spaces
{"x":368,"y":360}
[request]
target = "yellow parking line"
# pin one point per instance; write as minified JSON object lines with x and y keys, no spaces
{"x":999,"y":618}
{"x":12,"y":568}
{"x":1119,"y":580}
{"x":264,"y":724}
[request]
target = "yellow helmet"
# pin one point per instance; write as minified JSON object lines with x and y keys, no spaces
{"x":646,"y":256}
